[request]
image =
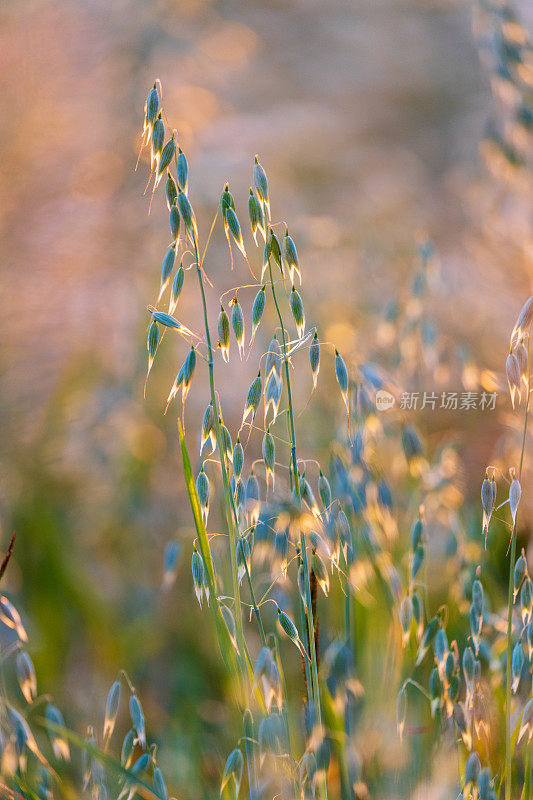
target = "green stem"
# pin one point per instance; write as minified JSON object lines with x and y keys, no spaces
{"x":508,"y":732}
{"x":225,"y":480}
{"x":303,"y":546}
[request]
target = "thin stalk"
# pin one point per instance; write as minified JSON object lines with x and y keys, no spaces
{"x":225,"y":481}
{"x":512,"y":558}
{"x":526,"y":792}
{"x":303,"y":546}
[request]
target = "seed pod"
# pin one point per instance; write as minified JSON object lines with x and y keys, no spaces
{"x":526,"y":600}
{"x":517,"y":662}
{"x":520,"y":572}
{"x":257,"y":219}
{"x":60,"y":745}
{"x":167,"y":155}
{"x":289,"y":627}
{"x":188,"y":370}
{"x":440,"y":646}
{"x":319,"y":569}
{"x":324,"y":491}
{"x":529,"y":640}
{"x":167,"y":267}
{"x":484,"y":784}
{"x":233,"y":226}
{"x":160,"y":788}
{"x":469,"y":665}
{"x":418,"y":611}
{"x":298,"y":313}
{"x":152,"y":105}
{"x":187,"y":214}
{"x":478,"y":598}
{"x":137,"y":718}
{"x":168,"y":321}
{"x":237,"y":321}
{"x":26,"y":676}
{"x":182,"y":170}
{"x":261,"y":185}
{"x":252,"y":497}
{"x":253,"y":399}
{"x":202,"y":489}
{"x":524,"y":320}
{"x":127,"y":748}
{"x":199,"y":577}
{"x":238,"y":459}
{"x":158,"y":138}
{"x":488,"y":500}
{"x":111,"y":711}
{"x":512,"y":369}
{"x":314,"y":358}
{"x":239,"y":496}
{"x":308,"y":497}
{"x":514,"y":496}
{"x":472,"y":770}
{"x":342,"y":377}
{"x":171,"y":190}
{"x":226,"y":444}
{"x":208,"y":429}
{"x":427,"y":638}
{"x":269,"y":456}
{"x":257,"y":311}
{"x":290,"y":257}
{"x":223,"y":333}
{"x":449,"y":667}
{"x":416,"y":534}
{"x":226,"y":201}
{"x":174,"y":222}
{"x":273,"y":391}
{"x":476,"y":622}
{"x":435,"y":689}
{"x":273,"y":359}
{"x":418,"y":560}
{"x":175,"y":289}
{"x":233,"y":770}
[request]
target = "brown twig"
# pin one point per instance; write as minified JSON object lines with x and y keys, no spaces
{"x":7,"y":556}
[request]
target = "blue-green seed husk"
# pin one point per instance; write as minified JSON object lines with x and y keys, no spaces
{"x":238,"y":458}
{"x":174,"y":220}
{"x":253,"y":397}
{"x":182,"y":170}
{"x":168,"y":264}
{"x":341,"y":372}
{"x":418,"y":560}
{"x":137,"y":718}
{"x":290,"y":255}
{"x":324,"y":490}
{"x":127,"y":747}
{"x":416,"y":534}
{"x":158,"y":135}
{"x":314,"y":357}
{"x":237,"y":321}
{"x":223,"y":333}
{"x":225,"y":439}
{"x":152,"y":105}
{"x":469,"y":664}
{"x":297,"y":309}
{"x":177,"y":285}
{"x":288,"y":625}
{"x":260,"y":181}
{"x":472,"y":769}
{"x":171,"y":191}
{"x":202,"y":488}
{"x":166,"y":319}
{"x":153,"y":339}
{"x":478,"y":597}
{"x":517,"y":663}
{"x":406,"y":613}
{"x":258,"y":307}
{"x":226,"y":201}
{"x":160,"y":788}
{"x":255,"y":213}
{"x":269,"y":451}
{"x":167,"y":155}
{"x":189,"y":365}
{"x":187,"y":214}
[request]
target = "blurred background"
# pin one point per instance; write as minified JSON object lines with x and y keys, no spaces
{"x":381,"y":124}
